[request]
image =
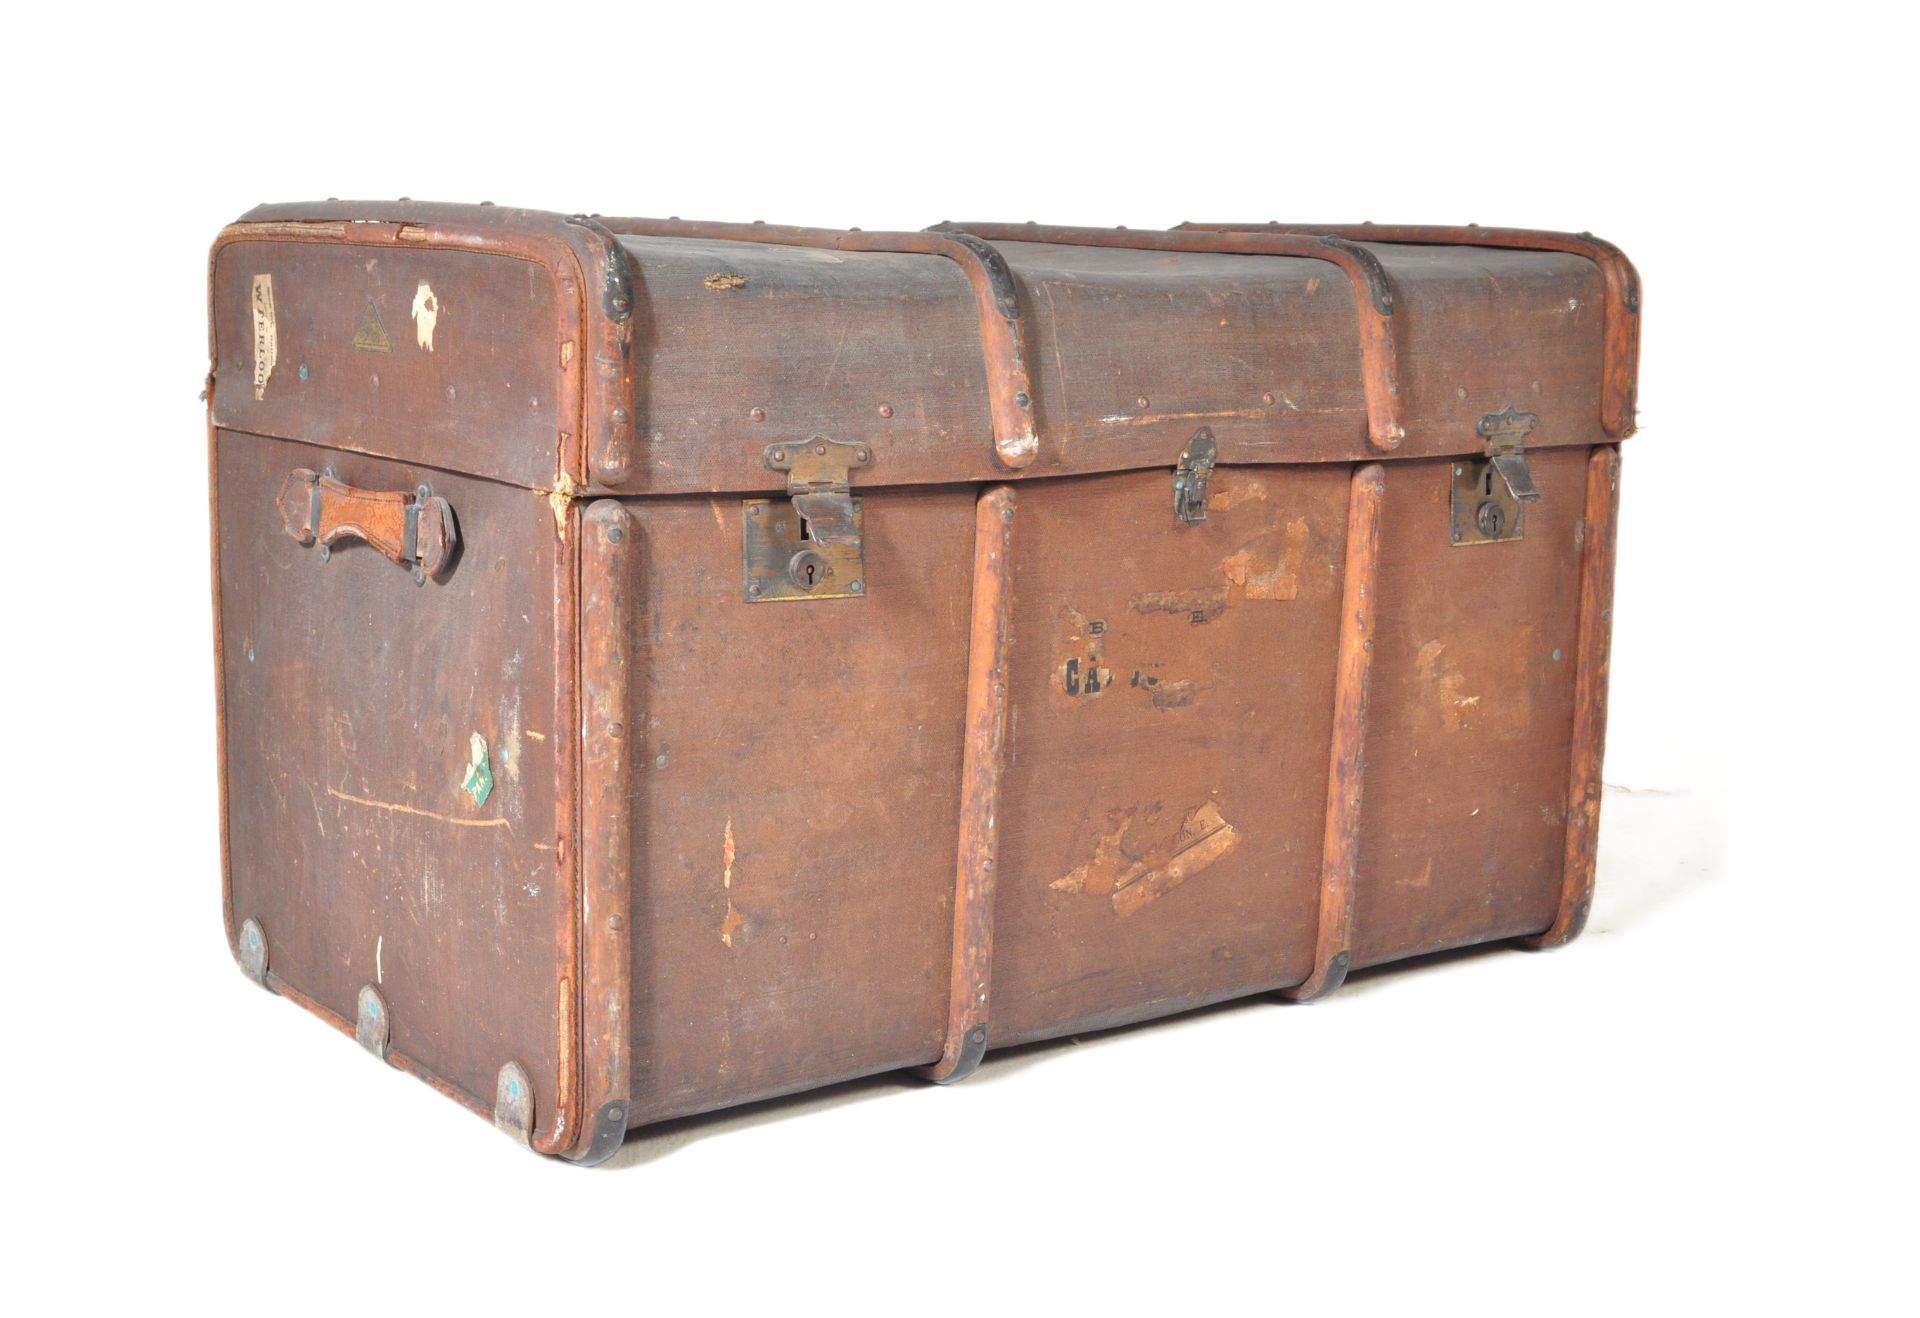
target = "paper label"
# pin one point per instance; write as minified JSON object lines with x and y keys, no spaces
{"x":370,"y":335}
{"x":266,"y":341}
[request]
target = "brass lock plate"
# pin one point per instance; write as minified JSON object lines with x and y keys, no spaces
{"x":1490,"y":494}
{"x":779,"y":561}
{"x":1484,"y":509}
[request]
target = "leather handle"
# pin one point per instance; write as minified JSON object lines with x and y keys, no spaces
{"x":415,"y":529}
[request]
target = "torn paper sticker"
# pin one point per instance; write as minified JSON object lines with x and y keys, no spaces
{"x":479,"y":780}
{"x":266,"y":337}
{"x":426,"y":311}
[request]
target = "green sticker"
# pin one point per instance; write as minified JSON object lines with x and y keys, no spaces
{"x":479,"y":780}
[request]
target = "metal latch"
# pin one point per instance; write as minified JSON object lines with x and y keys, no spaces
{"x":808,"y":545}
{"x":1490,"y":494}
{"x":1191,"y":476}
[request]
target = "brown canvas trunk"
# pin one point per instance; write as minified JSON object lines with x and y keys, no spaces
{"x":668,"y":665}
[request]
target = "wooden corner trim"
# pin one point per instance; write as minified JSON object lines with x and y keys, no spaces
{"x":1593,"y":649}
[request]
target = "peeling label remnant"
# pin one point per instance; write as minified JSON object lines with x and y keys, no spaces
{"x":370,"y":335}
{"x":1257,"y":580}
{"x":266,"y":334}
{"x":1204,"y":837}
{"x":426,"y":313}
{"x":726,"y":283}
{"x":731,"y":922}
{"x":1173,"y":695}
{"x":479,"y":780}
{"x":1448,"y":684}
{"x":560,"y":498}
{"x":1227,"y":491}
{"x":1199,"y":605}
{"x":1130,"y":882}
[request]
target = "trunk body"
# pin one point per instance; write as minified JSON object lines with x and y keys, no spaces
{"x":665,"y":666}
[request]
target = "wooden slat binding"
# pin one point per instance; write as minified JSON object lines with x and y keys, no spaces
{"x":1372,"y":294}
{"x":1340,"y":840}
{"x":1002,"y":324}
{"x":981,"y":768}
{"x":608,"y":578}
{"x":1620,"y":364}
{"x":1592,"y":654}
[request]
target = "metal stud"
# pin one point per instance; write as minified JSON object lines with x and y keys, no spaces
{"x":252,"y":951}
{"x":513,"y":1103}
{"x":374,"y":1024}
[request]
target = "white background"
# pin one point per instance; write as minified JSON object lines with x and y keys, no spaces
{"x":1705,"y":1103}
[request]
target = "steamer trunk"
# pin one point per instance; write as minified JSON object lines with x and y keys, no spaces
{"x":668,"y":665}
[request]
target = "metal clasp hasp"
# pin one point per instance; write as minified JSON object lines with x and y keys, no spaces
{"x":1490,"y":494}
{"x":807,"y":546}
{"x":1191,"y":476}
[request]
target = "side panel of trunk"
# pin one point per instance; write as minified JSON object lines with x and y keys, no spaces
{"x":352,"y":697}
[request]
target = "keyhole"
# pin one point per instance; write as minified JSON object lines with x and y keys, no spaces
{"x":807,"y":569}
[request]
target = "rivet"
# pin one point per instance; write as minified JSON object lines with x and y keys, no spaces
{"x":615,"y":535}
{"x":616,"y":1113}
{"x":1267,"y":399}
{"x":620,"y":729}
{"x":1141,"y":402}
{"x":753,"y":510}
{"x":1021,"y":400}
{"x":619,"y":416}
{"x":886,"y":410}
{"x":757,"y":414}
{"x":863,"y":454}
{"x":819,"y":450}
{"x":619,"y":304}
{"x":754,"y":588}
{"x":858,"y":587}
{"x":615,"y":922}
{"x":779,"y":455}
